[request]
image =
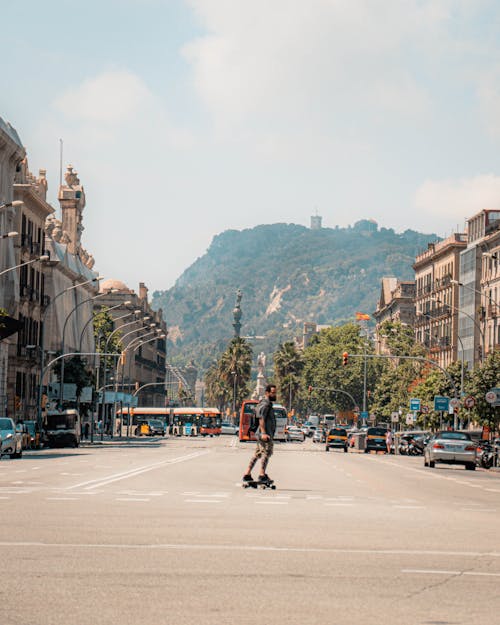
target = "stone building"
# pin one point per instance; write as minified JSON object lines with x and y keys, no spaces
{"x":396,"y":303}
{"x":31,"y":299}
{"x":145,"y":349}
{"x":70,"y":282}
{"x":436,"y":298}
{"x":479,"y":301}
{"x":11,"y":155}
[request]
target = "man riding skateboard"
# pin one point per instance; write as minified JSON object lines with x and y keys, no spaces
{"x":264,"y":434}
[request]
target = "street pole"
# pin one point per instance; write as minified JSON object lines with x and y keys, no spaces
{"x":234,"y":394}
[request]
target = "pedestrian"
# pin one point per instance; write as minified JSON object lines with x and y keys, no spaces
{"x":264,"y":434}
{"x":87,"y":430}
{"x":388,"y":440}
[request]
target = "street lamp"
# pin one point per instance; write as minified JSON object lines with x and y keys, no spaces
{"x":466,"y":286}
{"x":9,"y":235}
{"x":234,"y":393}
{"x":128,"y":303}
{"x":43,"y":259}
{"x":61,"y":379}
{"x":42,"y":340}
{"x":13,"y":204}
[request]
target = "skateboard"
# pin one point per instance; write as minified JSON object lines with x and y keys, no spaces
{"x":256,"y":484}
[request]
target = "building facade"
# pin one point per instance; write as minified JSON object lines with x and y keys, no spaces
{"x":436,"y":298}
{"x":12,"y":153}
{"x":480,"y":287}
{"x":397,"y":304}
{"x":143,"y":338}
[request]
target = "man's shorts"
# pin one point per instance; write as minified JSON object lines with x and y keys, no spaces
{"x":264,"y":449}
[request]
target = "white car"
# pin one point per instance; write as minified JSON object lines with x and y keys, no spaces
{"x":11,"y":441}
{"x":293,"y":433}
{"x":229,"y":428}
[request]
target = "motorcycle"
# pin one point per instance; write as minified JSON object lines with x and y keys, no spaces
{"x":486,"y":455}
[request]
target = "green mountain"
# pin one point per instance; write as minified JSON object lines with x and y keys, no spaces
{"x":288,"y":274}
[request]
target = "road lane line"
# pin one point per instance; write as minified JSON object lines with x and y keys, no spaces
{"x":103,"y":481}
{"x":438,"y":572}
{"x":202,"y":501}
{"x":131,"y":499}
{"x":252,"y":548}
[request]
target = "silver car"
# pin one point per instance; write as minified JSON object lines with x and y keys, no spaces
{"x":10,"y":440}
{"x":450,"y":447}
{"x":294,"y":433}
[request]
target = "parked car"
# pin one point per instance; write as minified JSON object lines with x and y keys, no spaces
{"x":293,"y":433}
{"x":226,"y":427}
{"x":337,"y":439}
{"x":319,"y":436}
{"x":11,"y":440}
{"x":34,"y":434}
{"x":450,"y":447}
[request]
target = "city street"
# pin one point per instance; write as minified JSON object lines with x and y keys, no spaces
{"x":160,"y":531}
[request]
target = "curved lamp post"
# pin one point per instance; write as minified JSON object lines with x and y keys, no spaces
{"x":42,"y":340}
{"x":13,"y":204}
{"x":43,"y":259}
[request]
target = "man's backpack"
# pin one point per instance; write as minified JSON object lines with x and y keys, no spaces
{"x":254,"y":421}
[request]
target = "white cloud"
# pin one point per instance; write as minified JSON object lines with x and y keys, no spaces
{"x":293,"y":59}
{"x":458,"y":199}
{"x":112,"y":97}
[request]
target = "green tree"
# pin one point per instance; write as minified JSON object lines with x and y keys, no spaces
{"x":103,"y":328}
{"x":235,"y":368}
{"x":398,"y":376}
{"x":217,"y":392}
{"x":485,"y":377}
{"x":288,"y":365}
{"x":75,"y":372}
{"x":323,"y":369}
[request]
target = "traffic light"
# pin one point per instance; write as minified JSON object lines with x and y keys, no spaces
{"x":345,"y":357}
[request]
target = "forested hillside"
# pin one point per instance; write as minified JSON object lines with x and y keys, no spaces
{"x":288,"y":274}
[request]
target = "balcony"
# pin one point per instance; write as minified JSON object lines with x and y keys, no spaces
{"x":26,"y":241}
{"x":26,"y":291}
{"x":492,"y":310}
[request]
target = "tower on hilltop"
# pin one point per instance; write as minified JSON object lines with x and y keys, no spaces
{"x":316,"y":222}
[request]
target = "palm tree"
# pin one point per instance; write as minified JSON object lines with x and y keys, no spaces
{"x":235,"y":367}
{"x":217,"y":390}
{"x":288,"y":365}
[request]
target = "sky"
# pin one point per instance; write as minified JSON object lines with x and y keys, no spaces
{"x":185,"y":118}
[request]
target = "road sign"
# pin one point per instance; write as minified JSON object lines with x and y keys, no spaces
{"x":441,"y":403}
{"x":493,"y":396}
{"x":364,"y":414}
{"x":425,"y":408}
{"x":415,"y":404}
{"x":409,"y":419}
{"x":394,"y":417}
{"x":454,"y":402}
{"x":469,"y":401}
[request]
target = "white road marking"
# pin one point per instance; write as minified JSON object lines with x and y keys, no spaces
{"x":409,"y":507}
{"x":268,"y":502}
{"x":4,"y":497}
{"x":478,"y":509}
{"x":131,"y":499}
{"x":202,"y":501}
{"x":62,"y":498}
{"x":438,"y":572}
{"x":134,"y":472}
{"x":253,"y":548}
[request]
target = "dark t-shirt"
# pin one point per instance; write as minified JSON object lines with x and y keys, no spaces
{"x":265,"y":411}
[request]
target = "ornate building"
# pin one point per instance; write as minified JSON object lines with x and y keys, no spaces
{"x":396,"y":303}
{"x":11,"y":155}
{"x":436,"y":298}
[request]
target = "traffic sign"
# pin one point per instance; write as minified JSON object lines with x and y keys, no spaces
{"x":454,"y":402}
{"x":441,"y":403}
{"x":493,"y":396}
{"x":415,"y":404}
{"x":469,"y":401}
{"x":409,"y":419}
{"x":425,"y":408}
{"x":394,"y":417}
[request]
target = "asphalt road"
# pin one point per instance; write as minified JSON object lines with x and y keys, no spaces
{"x":161,"y":532}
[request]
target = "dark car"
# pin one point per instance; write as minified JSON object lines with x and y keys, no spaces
{"x":336,"y":439}
{"x":375,"y":440}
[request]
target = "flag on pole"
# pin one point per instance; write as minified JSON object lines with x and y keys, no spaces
{"x":362,"y":316}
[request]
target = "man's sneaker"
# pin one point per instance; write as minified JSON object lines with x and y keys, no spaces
{"x":247,"y":478}
{"x":265,"y":478}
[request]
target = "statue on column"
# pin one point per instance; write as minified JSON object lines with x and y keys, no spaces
{"x":261,"y":378}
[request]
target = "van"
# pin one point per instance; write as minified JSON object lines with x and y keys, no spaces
{"x":63,"y":428}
